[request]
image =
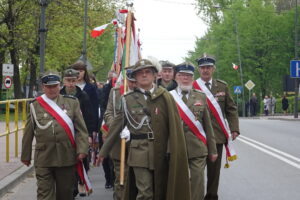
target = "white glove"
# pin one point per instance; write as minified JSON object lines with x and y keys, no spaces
{"x":125,"y":134}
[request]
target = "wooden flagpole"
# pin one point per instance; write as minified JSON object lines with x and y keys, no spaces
{"x":119,"y":50}
{"x":127,"y":61}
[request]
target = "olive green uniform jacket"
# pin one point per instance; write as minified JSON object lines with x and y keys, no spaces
{"x":195,"y":147}
{"x":53,"y":147}
{"x":171,"y":178}
{"x":113,"y":107}
{"x":221,"y":93}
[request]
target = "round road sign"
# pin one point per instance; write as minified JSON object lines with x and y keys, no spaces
{"x":7,"y":82}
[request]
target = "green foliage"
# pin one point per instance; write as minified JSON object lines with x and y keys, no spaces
{"x":265,"y":36}
{"x":19,"y":31}
{"x":278,"y":106}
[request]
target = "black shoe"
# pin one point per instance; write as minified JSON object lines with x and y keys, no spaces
{"x":108,"y":186}
{"x":75,"y":193}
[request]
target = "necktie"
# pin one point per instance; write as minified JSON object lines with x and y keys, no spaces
{"x":184,"y":93}
{"x":207,"y":84}
{"x":148,"y":93}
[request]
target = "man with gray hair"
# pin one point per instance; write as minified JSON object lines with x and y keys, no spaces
{"x":198,"y":132}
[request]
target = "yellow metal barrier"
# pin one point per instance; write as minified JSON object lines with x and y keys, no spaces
{"x":16,"y":124}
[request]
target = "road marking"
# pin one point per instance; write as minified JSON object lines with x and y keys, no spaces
{"x":264,"y":148}
{"x":272,"y":149}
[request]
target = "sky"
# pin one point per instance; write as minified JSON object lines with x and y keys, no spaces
{"x":168,"y":28}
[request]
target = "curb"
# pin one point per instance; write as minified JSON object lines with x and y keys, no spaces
{"x":10,"y":181}
{"x":284,"y":119}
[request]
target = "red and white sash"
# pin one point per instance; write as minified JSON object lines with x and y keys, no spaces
{"x":217,"y":113}
{"x":189,"y":118}
{"x":64,"y":120}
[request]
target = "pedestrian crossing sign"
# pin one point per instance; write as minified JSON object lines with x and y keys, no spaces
{"x":237,"y":89}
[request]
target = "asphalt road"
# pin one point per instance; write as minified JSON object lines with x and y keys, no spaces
{"x":268,"y":166}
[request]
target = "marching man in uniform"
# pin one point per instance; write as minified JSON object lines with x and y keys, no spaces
{"x":61,"y":141}
{"x":199,"y":135}
{"x":114,"y":106}
{"x":224,"y":117}
{"x":157,"y":157}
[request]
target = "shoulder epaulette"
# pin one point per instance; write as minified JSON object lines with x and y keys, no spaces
{"x":221,"y":81}
{"x":128,"y":93}
{"x":69,"y":96}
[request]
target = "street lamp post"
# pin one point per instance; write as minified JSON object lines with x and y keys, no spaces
{"x":296,"y":58}
{"x":42,"y":33}
{"x":84,"y":57}
{"x":239,"y":56}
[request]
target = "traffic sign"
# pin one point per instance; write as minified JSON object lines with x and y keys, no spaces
{"x":237,"y":89}
{"x":7,"y":69}
{"x":295,"y":69}
{"x":249,"y":85}
{"x":7,"y":82}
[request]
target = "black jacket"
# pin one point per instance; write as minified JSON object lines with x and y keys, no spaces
{"x":92,"y":91}
{"x":85,"y":107}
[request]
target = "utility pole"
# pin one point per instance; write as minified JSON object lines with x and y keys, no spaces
{"x":240,"y":62}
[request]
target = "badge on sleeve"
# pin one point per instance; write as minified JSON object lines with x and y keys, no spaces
{"x":156,"y":111}
{"x":198,"y":103}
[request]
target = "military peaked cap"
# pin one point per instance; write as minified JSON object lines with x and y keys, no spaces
{"x":129,"y":71}
{"x":50,"y":79}
{"x":166,"y":64}
{"x":71,"y":73}
{"x":185,"y":67}
{"x":206,"y":61}
{"x":142,"y":64}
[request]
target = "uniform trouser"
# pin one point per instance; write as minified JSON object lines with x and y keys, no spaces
{"x":197,"y":167}
{"x":55,"y":183}
{"x":108,"y":171}
{"x":118,"y":189}
{"x":144,"y":183}
{"x":213,"y":175}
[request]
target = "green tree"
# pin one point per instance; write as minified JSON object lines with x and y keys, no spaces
{"x":266,"y":43}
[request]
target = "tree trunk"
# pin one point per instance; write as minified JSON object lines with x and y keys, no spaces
{"x":32,"y":68}
{"x":16,"y":78}
{"x":2,"y":60}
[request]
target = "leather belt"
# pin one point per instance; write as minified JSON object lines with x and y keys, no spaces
{"x":142,"y":136}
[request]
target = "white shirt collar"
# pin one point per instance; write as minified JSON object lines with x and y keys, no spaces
{"x":210,"y":82}
{"x":151,"y":91}
{"x":179,"y":92}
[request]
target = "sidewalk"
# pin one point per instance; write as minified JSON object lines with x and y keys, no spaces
{"x":13,"y":171}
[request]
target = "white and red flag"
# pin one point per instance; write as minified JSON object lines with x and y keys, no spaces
{"x":234,"y":66}
{"x":96,"y":32}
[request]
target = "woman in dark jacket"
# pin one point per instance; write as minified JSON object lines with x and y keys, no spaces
{"x":285,"y":104}
{"x":83,"y":82}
